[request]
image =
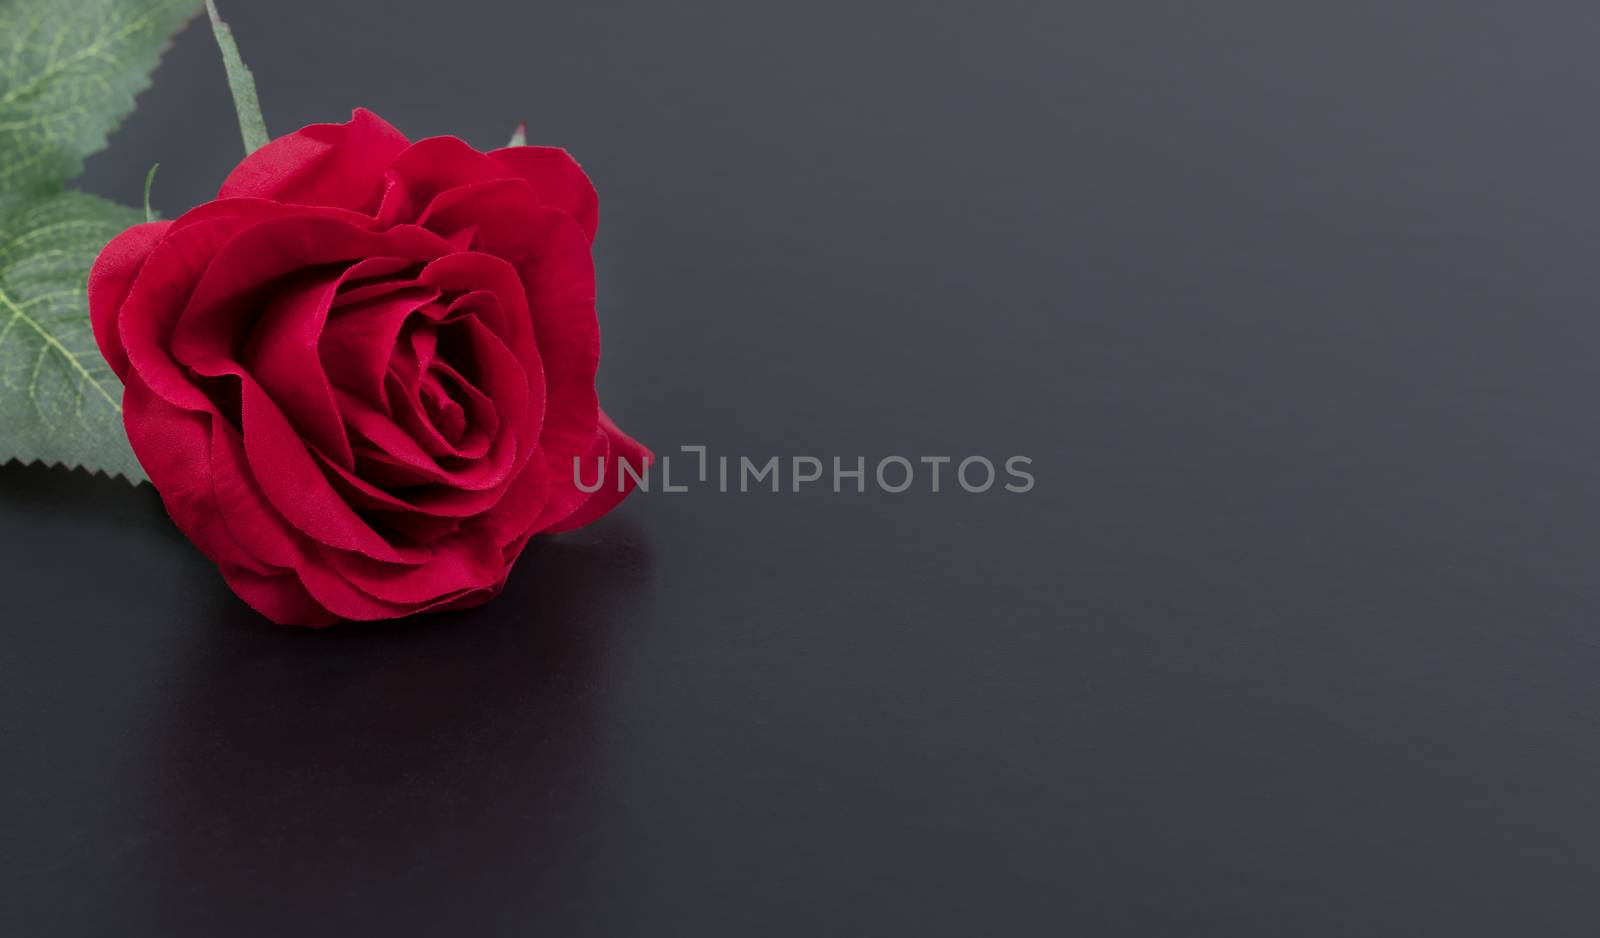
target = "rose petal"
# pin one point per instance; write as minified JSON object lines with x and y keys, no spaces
{"x":211,"y":325}
{"x":283,"y":354}
{"x":290,"y":479}
{"x":623,"y":449}
{"x":337,"y":165}
{"x":252,"y":209}
{"x":385,"y":445}
{"x":156,"y":302}
{"x":434,"y":501}
{"x":110,"y":280}
{"x":442,"y":425}
{"x":512,"y":520}
{"x":345,"y":600}
{"x":255,"y":524}
{"x":557,"y":179}
{"x":174,"y":447}
{"x":457,"y":563}
{"x":496,"y":212}
{"x":439,"y":164}
{"x":359,"y":339}
{"x":560,"y":285}
{"x":279,"y":596}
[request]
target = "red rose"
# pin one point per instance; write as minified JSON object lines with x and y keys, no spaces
{"x":360,"y":378}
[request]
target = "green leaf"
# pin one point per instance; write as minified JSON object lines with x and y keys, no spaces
{"x":241,"y":82}
{"x":59,"y":400}
{"x":519,"y":137}
{"x":68,"y":72}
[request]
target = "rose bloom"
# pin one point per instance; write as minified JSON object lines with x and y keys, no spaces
{"x":360,"y":379}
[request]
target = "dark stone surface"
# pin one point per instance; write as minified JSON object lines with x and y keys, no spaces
{"x":1292,"y":306}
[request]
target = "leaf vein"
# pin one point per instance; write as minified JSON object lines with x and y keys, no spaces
{"x":51,"y":342}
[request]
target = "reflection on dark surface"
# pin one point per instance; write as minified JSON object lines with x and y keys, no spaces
{"x":187,"y":772}
{"x":397,"y":752}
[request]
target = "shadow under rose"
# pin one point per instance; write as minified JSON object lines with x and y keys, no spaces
{"x":366,"y":773}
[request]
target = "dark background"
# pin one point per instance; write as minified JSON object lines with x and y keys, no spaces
{"x":1294,"y":308}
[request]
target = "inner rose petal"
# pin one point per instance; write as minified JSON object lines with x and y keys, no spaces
{"x":360,"y":337}
{"x":282,"y":351}
{"x":447,"y":415}
{"x":388,"y":455}
{"x":442,"y":410}
{"x":225,"y":303}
